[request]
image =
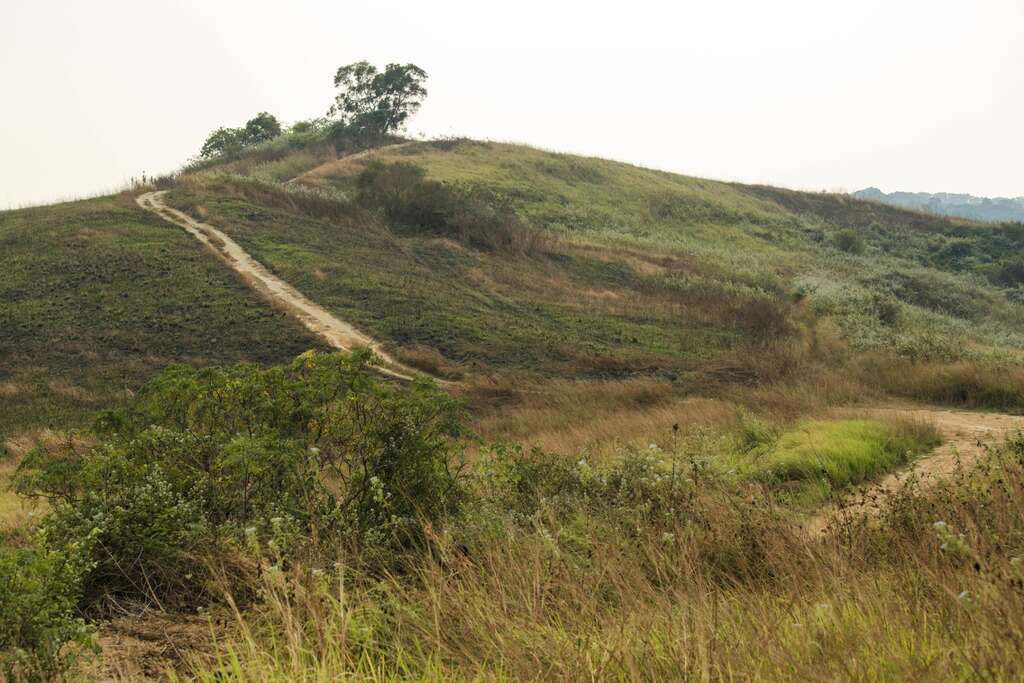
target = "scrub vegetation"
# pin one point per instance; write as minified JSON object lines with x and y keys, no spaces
{"x":641,"y":391}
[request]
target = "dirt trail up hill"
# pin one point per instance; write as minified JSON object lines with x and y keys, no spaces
{"x":336,"y":333}
{"x":964,"y":437}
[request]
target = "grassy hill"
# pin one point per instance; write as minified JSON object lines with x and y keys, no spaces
{"x":695,"y":358}
{"x":630,"y":273}
{"x":98,"y":294}
{"x":636,"y":273}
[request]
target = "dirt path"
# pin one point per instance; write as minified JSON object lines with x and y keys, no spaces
{"x":347,"y":162}
{"x":336,"y":333}
{"x":964,"y":434}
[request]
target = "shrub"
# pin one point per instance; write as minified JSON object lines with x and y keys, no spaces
{"x":472,"y":215}
{"x":227,"y":142}
{"x":204,"y":459}
{"x":850,"y":241}
{"x":40,"y":634}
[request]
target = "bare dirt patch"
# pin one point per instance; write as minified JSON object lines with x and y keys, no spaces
{"x":147,"y":646}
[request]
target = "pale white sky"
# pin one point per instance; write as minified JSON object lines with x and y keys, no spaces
{"x":813,"y":94}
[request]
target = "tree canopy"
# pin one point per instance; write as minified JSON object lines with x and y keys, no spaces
{"x":378,"y":101}
{"x":260,"y":128}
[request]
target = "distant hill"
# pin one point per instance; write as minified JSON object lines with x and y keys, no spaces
{"x":995,"y":209}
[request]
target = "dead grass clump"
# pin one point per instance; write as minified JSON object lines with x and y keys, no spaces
{"x":65,"y":389}
{"x":567,"y":415}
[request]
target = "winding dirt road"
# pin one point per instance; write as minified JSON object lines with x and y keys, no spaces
{"x":336,"y":333}
{"x":964,"y":436}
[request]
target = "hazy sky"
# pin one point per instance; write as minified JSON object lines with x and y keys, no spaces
{"x":817,"y":94}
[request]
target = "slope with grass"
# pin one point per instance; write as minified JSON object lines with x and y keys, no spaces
{"x":676,"y":345}
{"x":334,"y":332}
{"x":97,"y":295}
{"x":626,"y":272}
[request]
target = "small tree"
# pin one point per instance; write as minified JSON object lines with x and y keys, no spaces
{"x":377,"y":102}
{"x":222,"y":141}
{"x":261,"y":128}
{"x":850,"y":241}
{"x":228,"y":141}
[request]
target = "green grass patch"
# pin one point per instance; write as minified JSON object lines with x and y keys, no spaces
{"x":818,"y":457}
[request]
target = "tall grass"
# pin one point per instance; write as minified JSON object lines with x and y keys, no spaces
{"x":732,"y":589}
{"x":962,"y":383}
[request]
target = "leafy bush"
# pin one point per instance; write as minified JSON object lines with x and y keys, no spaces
{"x":472,"y":215}
{"x":850,"y":241}
{"x":226,"y":142}
{"x":40,"y":634}
{"x":204,"y":459}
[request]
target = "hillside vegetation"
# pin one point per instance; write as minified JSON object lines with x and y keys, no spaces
{"x":689,"y":357}
{"x":98,"y":294}
{"x":613,"y":270}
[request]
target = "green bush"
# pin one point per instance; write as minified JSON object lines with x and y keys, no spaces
{"x":850,"y":241}
{"x":205,"y":459}
{"x":40,"y":633}
{"x":472,"y":215}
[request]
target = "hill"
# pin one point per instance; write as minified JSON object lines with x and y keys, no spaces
{"x":666,"y":395}
{"x":98,"y":295}
{"x":622,"y":272}
{"x":639,"y":272}
{"x":997,"y":209}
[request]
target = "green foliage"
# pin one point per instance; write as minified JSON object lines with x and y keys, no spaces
{"x":929,"y":587}
{"x":223,"y":142}
{"x":377,"y":102}
{"x":41,"y":635}
{"x":818,"y":457}
{"x":850,"y":241}
{"x":202,"y":458}
{"x":643,"y":487}
{"x":230,"y":142}
{"x":98,"y":295}
{"x":470,"y":215}
{"x":261,"y":128}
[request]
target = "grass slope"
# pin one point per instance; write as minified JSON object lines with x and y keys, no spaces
{"x":98,"y":294}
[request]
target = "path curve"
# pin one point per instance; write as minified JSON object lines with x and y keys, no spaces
{"x":314,"y":174}
{"x":336,"y":333}
{"x":964,"y":436}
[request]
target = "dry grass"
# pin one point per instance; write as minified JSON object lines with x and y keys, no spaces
{"x":566,"y":416}
{"x":739,"y":595}
{"x":963,"y":383}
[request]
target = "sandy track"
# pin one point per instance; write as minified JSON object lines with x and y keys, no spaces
{"x":964,"y":435}
{"x":343,"y":164}
{"x":336,"y":333}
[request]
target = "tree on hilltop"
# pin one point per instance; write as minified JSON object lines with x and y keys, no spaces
{"x":377,"y":102}
{"x":226,"y":141}
{"x":261,"y":128}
